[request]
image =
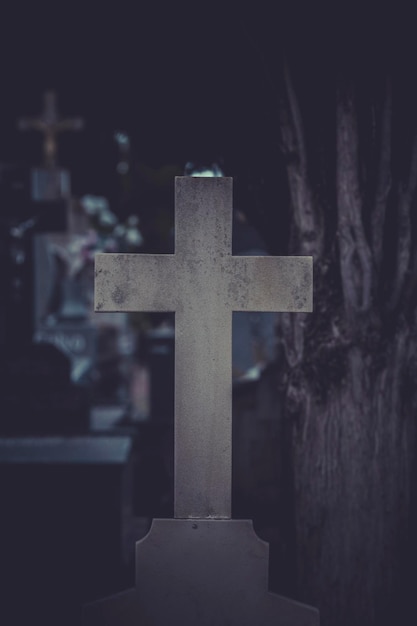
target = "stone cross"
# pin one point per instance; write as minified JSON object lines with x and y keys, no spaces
{"x":202,"y":567}
{"x":50,"y":125}
{"x":203,"y":283}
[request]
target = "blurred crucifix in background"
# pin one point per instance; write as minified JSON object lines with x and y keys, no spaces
{"x":50,"y":125}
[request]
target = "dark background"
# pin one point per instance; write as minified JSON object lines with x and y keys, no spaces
{"x":179,"y":84}
{"x":186,"y":83}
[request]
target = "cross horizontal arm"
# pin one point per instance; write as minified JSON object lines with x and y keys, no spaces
{"x":75,"y":123}
{"x":135,"y":282}
{"x":271,"y":284}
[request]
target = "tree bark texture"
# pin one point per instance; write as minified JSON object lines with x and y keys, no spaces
{"x":351,"y":371}
{"x":353,"y":455}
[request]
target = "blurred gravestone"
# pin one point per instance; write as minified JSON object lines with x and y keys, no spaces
{"x":21,"y":220}
{"x":61,"y":310}
{"x":62,"y":499}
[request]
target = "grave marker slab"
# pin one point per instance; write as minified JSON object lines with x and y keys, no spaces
{"x":202,"y":567}
{"x":62,"y":498}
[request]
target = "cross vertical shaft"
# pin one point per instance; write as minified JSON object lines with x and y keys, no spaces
{"x":203,"y":351}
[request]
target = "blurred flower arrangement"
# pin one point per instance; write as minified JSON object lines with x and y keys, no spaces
{"x":104,"y":233}
{"x":100,"y":231}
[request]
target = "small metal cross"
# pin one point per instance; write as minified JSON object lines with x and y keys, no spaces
{"x":50,"y":125}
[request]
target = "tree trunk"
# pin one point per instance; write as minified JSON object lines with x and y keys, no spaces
{"x":353,"y":453}
{"x":351,"y":371}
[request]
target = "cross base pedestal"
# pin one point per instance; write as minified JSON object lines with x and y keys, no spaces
{"x":200,"y":572}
